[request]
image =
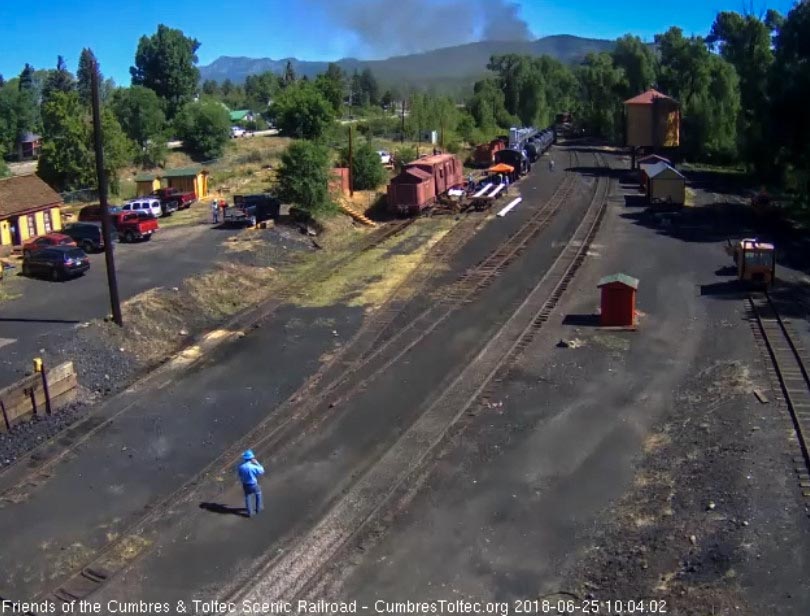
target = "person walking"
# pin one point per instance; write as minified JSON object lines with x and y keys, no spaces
{"x":214,"y":212}
{"x":551,"y":164}
{"x":249,"y":472}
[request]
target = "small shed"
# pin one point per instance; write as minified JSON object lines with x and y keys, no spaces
{"x":28,"y":146}
{"x":646,"y":163}
{"x":339,"y":180}
{"x":665,"y":184}
{"x":188,"y":179}
{"x":618,"y":300}
{"x":146,"y":184}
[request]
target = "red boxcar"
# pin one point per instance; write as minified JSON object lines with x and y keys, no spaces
{"x":446,"y":170}
{"x":484,"y":154}
{"x":422,"y":180}
{"x":410,"y":191}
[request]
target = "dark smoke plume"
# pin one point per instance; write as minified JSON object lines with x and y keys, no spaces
{"x":391,"y":27}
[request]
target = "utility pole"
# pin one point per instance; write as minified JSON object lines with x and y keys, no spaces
{"x":112,"y":282}
{"x":351,"y":164}
{"x":402,"y":128}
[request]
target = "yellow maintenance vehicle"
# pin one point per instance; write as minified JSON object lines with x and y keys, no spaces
{"x":755,"y":261}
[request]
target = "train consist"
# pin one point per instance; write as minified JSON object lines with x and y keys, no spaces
{"x":426,"y":180}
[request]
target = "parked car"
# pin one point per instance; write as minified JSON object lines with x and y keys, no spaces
{"x":144,"y":204}
{"x":56,"y":262}
{"x":180,"y":200}
{"x":46,"y":241}
{"x":237,"y":131}
{"x":92,"y":213}
{"x":252,"y":209}
{"x":88,"y":235}
{"x":133,"y":226}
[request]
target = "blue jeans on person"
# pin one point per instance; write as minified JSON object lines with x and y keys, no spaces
{"x":256,"y":491}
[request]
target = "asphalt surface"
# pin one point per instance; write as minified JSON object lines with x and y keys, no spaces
{"x":46,"y":310}
{"x":173,"y":432}
{"x":523,"y":491}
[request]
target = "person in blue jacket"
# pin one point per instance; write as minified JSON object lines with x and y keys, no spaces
{"x":249,"y":472}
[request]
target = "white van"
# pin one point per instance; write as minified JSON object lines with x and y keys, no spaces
{"x":144,"y":204}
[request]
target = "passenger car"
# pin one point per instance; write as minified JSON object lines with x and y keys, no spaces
{"x":57,"y":262}
{"x":45,"y":241}
{"x":145,"y":204}
{"x":92,"y":213}
{"x":88,"y":236}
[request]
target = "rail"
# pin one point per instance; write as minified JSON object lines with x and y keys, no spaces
{"x":788,"y":359}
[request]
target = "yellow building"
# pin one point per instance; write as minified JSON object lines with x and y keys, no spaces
{"x":665,"y":184}
{"x":28,"y":207}
{"x":146,"y":184}
{"x":188,"y":179}
{"x":653,"y":121}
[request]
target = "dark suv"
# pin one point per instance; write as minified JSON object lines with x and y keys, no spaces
{"x":57,"y":262}
{"x":88,"y":236}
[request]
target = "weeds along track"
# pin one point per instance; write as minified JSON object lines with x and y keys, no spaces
{"x":789,"y":360}
{"x":339,"y":378}
{"x":297,"y":570}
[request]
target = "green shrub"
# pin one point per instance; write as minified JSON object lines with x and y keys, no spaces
{"x":367,"y":170}
{"x":303,"y":177}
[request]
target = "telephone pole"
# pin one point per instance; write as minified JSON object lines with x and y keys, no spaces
{"x":106,"y":224}
{"x":351,"y":164}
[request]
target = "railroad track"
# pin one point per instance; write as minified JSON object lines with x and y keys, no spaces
{"x":790,"y":362}
{"x":283,"y":427}
{"x":293,"y":573}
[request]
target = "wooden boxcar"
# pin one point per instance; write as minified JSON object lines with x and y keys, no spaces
{"x":410,"y":191}
{"x":422,"y":181}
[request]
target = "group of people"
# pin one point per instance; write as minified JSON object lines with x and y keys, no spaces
{"x":216,"y":215}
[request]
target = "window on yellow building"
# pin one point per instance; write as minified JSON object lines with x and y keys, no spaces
{"x":32,"y":225}
{"x":46,"y":216}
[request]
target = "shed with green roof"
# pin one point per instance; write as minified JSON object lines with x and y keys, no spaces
{"x":188,"y":179}
{"x":146,"y":184}
{"x":618,"y":300}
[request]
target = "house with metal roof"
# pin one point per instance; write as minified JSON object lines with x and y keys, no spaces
{"x":241,"y":116}
{"x":28,"y":207}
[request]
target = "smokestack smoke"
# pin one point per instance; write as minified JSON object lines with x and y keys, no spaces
{"x":393,"y":27}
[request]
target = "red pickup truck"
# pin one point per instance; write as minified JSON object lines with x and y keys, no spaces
{"x":133,"y":226}
{"x":172,"y":196}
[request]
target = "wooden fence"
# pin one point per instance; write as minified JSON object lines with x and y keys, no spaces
{"x":27,"y":397}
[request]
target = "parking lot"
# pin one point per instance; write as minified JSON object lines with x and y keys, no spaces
{"x":45,"y":310}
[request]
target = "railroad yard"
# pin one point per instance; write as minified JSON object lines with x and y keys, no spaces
{"x":475,"y":435}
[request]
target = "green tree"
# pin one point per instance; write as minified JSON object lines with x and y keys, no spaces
{"x":205,"y":128}
{"x":637,"y":61}
{"x":289,"y":74}
{"x":210,"y":87}
{"x":26,"y":82}
{"x":140,"y":114}
{"x":59,"y":80}
{"x":66,"y":160}
{"x":302,"y":111}
{"x":260,"y":89}
{"x":601,"y":108}
{"x":369,"y":87}
{"x":166,"y":63}
{"x":367,"y":170}
{"x":4,"y":170}
{"x":84,"y":75}
{"x":745,"y":42}
{"x":303,"y":177}
{"x":790,"y":87}
{"x":331,"y":85}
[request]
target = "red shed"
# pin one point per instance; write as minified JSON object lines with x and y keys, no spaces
{"x":618,"y":300}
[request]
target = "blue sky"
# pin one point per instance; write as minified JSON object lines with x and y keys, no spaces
{"x":36,"y":31}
